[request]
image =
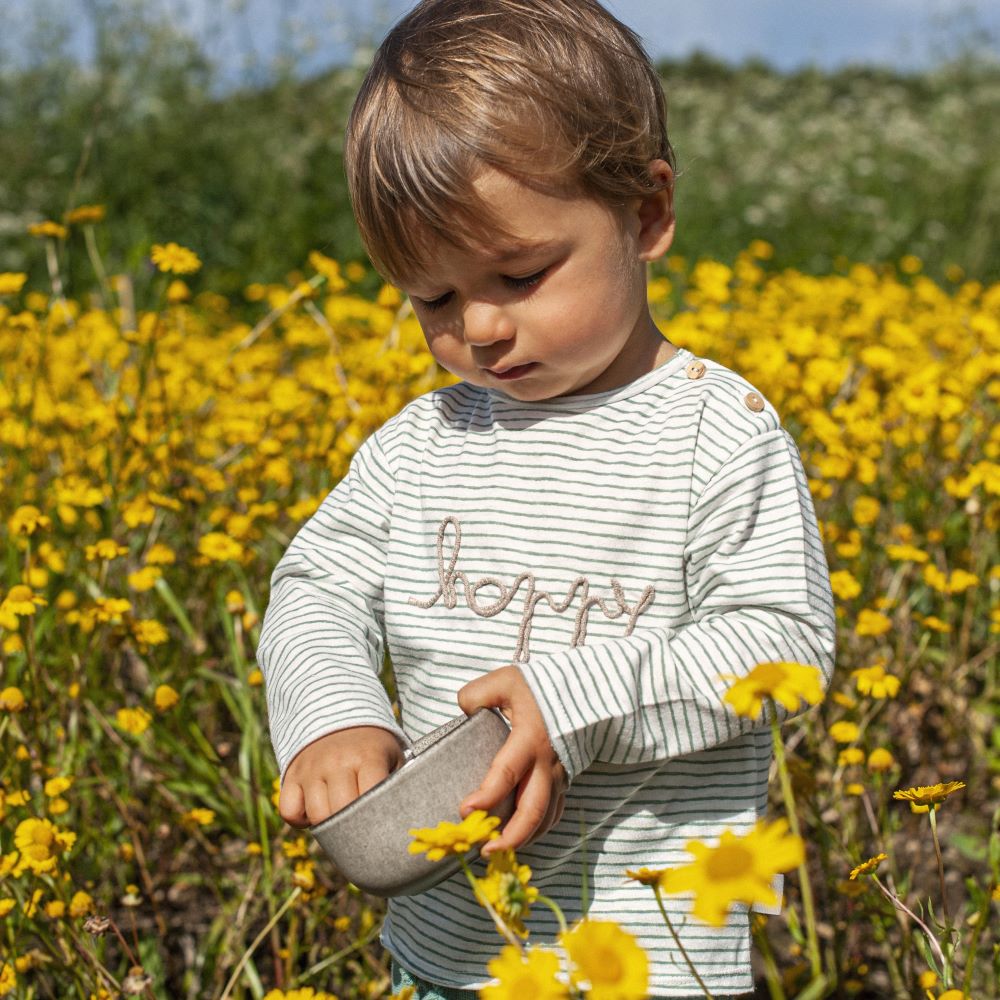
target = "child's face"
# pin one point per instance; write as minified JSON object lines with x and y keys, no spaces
{"x":567,"y":317}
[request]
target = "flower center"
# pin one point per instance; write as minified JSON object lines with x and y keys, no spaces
{"x":526,"y":988}
{"x":608,"y":966}
{"x":769,"y":676}
{"x":729,"y":861}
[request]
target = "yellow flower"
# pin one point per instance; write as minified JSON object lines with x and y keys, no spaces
{"x":6,"y":905}
{"x":302,"y":993}
{"x":165,"y":697}
{"x":175,"y":258}
{"x":198,"y":817}
{"x":531,"y":973}
{"x":854,"y":788}
{"x":934,"y":623}
{"x":39,"y":843}
{"x":927,"y":979}
{"x":219,"y":547}
{"x":906,"y":553}
{"x":951,"y":995}
{"x":11,"y":282}
{"x":867,"y":867}
{"x":160,"y":555}
{"x":21,"y":600}
{"x":27,"y":519}
{"x":787,"y":683}
{"x":106,"y":548}
{"x":11,"y":700}
{"x":8,"y":979}
{"x":133,"y":720}
{"x":850,"y":756}
{"x":149,"y":632}
{"x":55,"y":909}
{"x":85,"y":214}
{"x":235,"y":604}
{"x":608,"y":959}
{"x":646,"y":876}
{"x":56,"y":786}
{"x":738,"y":869}
{"x":922,"y":797}
{"x":48,"y":228}
{"x":330,"y":270}
{"x":875,"y":681}
{"x":844,"y":731}
{"x":144,"y":579}
{"x":866,"y":510}
{"x":304,"y":874}
{"x":871,"y":623}
{"x":454,"y":838}
{"x":255,"y":678}
{"x":297,"y":848}
{"x":844,"y":585}
{"x":506,"y":887}
{"x":880,"y":759}
{"x":81,"y":904}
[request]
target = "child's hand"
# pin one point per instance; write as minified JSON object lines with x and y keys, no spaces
{"x":526,"y":761}
{"x":334,"y":770}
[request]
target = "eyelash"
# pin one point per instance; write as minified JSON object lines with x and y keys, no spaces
{"x":527,"y":282}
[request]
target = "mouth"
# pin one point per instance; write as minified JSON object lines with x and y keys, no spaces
{"x":517,"y":371}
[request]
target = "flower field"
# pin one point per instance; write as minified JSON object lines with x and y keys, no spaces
{"x":161,"y":443}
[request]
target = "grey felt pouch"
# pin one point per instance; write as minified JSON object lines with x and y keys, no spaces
{"x":368,"y":839}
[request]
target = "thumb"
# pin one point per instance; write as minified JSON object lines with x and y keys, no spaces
{"x":487,"y":691}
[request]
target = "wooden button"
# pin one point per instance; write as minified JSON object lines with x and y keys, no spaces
{"x":754,"y":401}
{"x":695,"y":369}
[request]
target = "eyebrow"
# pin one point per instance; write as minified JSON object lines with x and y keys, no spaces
{"x":522,"y":247}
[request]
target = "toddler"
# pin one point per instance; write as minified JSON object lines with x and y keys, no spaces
{"x":585,"y":531}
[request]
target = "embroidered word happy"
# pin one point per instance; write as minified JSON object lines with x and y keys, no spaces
{"x":447,"y":575}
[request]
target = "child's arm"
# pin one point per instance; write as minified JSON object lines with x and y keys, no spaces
{"x":321,"y":643}
{"x":759,"y":590}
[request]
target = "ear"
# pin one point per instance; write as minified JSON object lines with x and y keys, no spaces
{"x":656,"y":214}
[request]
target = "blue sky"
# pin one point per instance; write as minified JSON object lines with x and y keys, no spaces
{"x":906,"y":34}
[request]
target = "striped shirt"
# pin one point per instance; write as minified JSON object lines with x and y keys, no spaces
{"x":624,"y":549}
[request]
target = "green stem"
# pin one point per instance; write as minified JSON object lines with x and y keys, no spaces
{"x":793,"y":822}
{"x":554,"y":907}
{"x":771,"y":973}
{"x":98,"y":266}
{"x":931,"y":939}
{"x":677,"y":941}
{"x":296,"y":892}
{"x":977,"y":931}
{"x":505,"y":931}
{"x":932,"y":816}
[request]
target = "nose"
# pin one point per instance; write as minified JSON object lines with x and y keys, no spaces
{"x":486,"y":323}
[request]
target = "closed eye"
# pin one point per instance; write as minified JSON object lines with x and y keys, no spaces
{"x":531,"y":279}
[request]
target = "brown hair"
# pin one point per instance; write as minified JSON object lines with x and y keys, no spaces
{"x":557,"y":93}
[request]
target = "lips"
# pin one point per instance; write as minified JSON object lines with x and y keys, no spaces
{"x":512,"y":371}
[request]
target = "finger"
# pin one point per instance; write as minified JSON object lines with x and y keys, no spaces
{"x":492,"y":690}
{"x":370,"y":774}
{"x":549,"y":820}
{"x":292,"y":804}
{"x":530,"y":812}
{"x":339,"y":789}
{"x":559,"y":813}
{"x":511,"y":762}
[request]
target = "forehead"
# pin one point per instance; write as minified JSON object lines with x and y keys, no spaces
{"x":534,"y":220}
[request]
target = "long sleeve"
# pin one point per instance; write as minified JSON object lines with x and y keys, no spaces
{"x":758,"y":590}
{"x":322,"y":640}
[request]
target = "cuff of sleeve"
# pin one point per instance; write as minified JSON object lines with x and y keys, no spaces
{"x":555,"y":681}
